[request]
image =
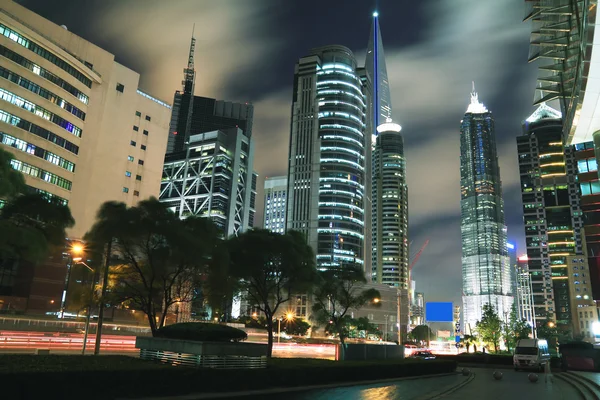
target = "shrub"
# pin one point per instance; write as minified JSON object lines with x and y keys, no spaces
{"x":201,"y":332}
{"x":138,"y":378}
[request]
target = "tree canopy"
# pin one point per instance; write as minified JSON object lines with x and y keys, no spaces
{"x":337,"y":292}
{"x":270,"y":269}
{"x":515,"y":328}
{"x":156,"y":259}
{"x":31,"y":224}
{"x":489,"y":329}
{"x":422,"y":333}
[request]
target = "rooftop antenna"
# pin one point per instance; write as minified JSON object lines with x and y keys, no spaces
{"x":189,"y":73}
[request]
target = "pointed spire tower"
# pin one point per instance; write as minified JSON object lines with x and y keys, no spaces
{"x":375,"y":65}
{"x":189,"y":73}
{"x":179,"y":129}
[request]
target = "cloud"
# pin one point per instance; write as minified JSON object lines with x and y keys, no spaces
{"x":231,"y":36}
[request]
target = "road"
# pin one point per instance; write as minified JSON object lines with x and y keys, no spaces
{"x":513,"y":385}
{"x":71,"y":343}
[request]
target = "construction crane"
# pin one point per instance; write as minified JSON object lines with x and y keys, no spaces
{"x":416,"y":257}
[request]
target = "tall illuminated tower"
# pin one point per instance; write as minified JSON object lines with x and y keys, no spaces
{"x":329,"y":149}
{"x":485,"y":263}
{"x":375,"y":66}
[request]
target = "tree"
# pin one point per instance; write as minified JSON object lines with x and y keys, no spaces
{"x":362,"y":324}
{"x":490,"y":326}
{"x":336,"y":293}
{"x":12,"y":182}
{"x":422,"y":333}
{"x":515,"y":329}
{"x":271,"y":268}
{"x":468,"y":340}
{"x":156,"y":259}
{"x":297,"y":326}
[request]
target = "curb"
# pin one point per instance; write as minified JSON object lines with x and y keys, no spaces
{"x":448,"y":390}
{"x":226,"y":395}
{"x":573,"y":385}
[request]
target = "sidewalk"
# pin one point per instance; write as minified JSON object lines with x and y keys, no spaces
{"x":513,"y":385}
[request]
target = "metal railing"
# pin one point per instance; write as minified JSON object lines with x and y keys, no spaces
{"x":204,"y":361}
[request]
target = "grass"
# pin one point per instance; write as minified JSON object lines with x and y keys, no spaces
{"x":123,"y":377}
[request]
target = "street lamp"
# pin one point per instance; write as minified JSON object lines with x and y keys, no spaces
{"x":76,"y":250}
{"x":77,"y":260}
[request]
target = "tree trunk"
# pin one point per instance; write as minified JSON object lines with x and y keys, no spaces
{"x":269,"y":337}
{"x":342,"y":345}
{"x":151,"y":321}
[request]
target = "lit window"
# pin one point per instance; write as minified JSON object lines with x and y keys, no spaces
{"x":125,"y":190}
{"x":129,"y":158}
{"x":127,"y":173}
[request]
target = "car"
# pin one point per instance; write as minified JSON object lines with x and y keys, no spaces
{"x":423,"y":355}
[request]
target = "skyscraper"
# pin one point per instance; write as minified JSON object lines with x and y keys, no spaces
{"x":275,"y":203}
{"x":556,"y":253}
{"x":377,"y":70}
{"x":485,"y":262}
{"x":564,"y":40}
{"x":329,"y":145}
{"x":390,"y":209}
{"x":81,"y":131}
{"x":196,"y":114}
{"x":524,"y":291}
{"x":212,"y":177}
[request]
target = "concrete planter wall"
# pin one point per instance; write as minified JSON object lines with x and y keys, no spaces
{"x":202,"y":354}
{"x":359,"y":351}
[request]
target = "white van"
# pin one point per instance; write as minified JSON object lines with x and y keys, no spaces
{"x":531,"y":353}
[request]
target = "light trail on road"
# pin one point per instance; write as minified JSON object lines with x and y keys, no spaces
{"x":61,"y":342}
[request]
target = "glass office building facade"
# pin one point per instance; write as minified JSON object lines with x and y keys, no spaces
{"x":327,"y":162}
{"x":486,"y":268}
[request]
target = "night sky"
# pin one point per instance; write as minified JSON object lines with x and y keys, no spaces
{"x":246,"y":51}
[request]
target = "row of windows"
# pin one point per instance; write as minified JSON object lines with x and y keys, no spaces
{"x":137,"y":128}
{"x":137,"y":177}
{"x":39,"y":111}
{"x":126,"y":190}
{"x":587,"y":165}
{"x":46,"y":94}
{"x":41,"y":174}
{"x":48,"y":195}
{"x":139,"y":114}
{"x":44,"y":73}
{"x":36,"y":151}
{"x":38,"y":131}
{"x":134,"y":143}
{"x":59,"y":62}
{"x":590,"y":188}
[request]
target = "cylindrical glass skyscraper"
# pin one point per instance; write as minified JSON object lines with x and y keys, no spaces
{"x":485,"y":262}
{"x":328,"y":147}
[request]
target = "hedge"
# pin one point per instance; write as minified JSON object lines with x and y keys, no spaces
{"x":202,"y":332}
{"x":133,"y":379}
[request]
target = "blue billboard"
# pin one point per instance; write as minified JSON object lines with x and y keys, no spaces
{"x":439,"y":312}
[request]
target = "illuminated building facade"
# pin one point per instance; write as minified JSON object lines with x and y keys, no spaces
{"x":523,"y":291}
{"x":275,"y":203}
{"x":485,"y":263}
{"x":212,"y":177}
{"x":556,"y":252}
{"x":564,"y":41}
{"x":377,"y":70}
{"x":587,"y":175}
{"x":81,"y":131}
{"x":329,"y":149}
{"x":390,"y":209}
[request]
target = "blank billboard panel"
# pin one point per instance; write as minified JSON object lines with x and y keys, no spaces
{"x":438,"y":312}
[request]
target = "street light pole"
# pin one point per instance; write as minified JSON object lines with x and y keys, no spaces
{"x":102,"y":299}
{"x":279,"y":330}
